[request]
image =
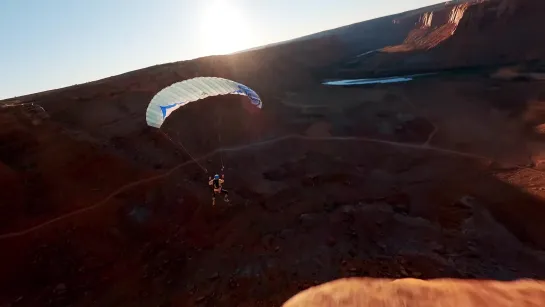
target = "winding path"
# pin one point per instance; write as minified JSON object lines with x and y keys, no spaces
{"x":234,"y":149}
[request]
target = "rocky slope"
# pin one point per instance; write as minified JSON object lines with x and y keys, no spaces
{"x":45,"y":170}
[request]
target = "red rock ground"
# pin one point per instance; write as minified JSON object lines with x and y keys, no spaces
{"x":436,"y":178}
{"x":412,"y":292}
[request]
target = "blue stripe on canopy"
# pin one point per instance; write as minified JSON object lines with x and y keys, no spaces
{"x":165,"y":108}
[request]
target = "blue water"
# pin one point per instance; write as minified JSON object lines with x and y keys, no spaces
{"x":375,"y":80}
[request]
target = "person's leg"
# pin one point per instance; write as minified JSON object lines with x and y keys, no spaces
{"x":213,"y":197}
{"x":226,"y":197}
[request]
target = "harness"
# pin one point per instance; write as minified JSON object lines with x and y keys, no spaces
{"x":217,"y":185}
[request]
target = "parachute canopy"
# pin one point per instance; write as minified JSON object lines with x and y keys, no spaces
{"x":180,"y":93}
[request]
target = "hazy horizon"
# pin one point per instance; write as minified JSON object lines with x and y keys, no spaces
{"x":62,"y":43}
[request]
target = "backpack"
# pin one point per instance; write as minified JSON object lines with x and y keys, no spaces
{"x":216,"y":183}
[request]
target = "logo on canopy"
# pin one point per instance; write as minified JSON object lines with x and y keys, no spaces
{"x":242,"y":89}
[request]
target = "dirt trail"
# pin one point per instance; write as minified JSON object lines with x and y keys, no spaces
{"x":234,"y":149}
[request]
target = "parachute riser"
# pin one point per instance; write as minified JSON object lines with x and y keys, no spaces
{"x":219,"y":141}
{"x":180,"y":145}
{"x":181,"y":93}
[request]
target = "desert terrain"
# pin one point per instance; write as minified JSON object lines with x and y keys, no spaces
{"x":441,"y":177}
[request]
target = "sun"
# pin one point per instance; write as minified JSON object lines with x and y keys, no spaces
{"x":224,"y":28}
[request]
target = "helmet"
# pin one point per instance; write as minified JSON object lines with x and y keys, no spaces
{"x":216,"y":176}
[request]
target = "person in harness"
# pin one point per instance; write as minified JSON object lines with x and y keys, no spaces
{"x":217,"y":185}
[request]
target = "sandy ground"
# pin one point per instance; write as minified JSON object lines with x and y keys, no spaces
{"x":410,"y":292}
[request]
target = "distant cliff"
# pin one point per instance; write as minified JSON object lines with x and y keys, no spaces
{"x":471,"y":34}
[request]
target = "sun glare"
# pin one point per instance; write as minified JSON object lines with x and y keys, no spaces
{"x":225,"y":28}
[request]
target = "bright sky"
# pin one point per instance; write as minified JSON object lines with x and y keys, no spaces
{"x":47,"y":44}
